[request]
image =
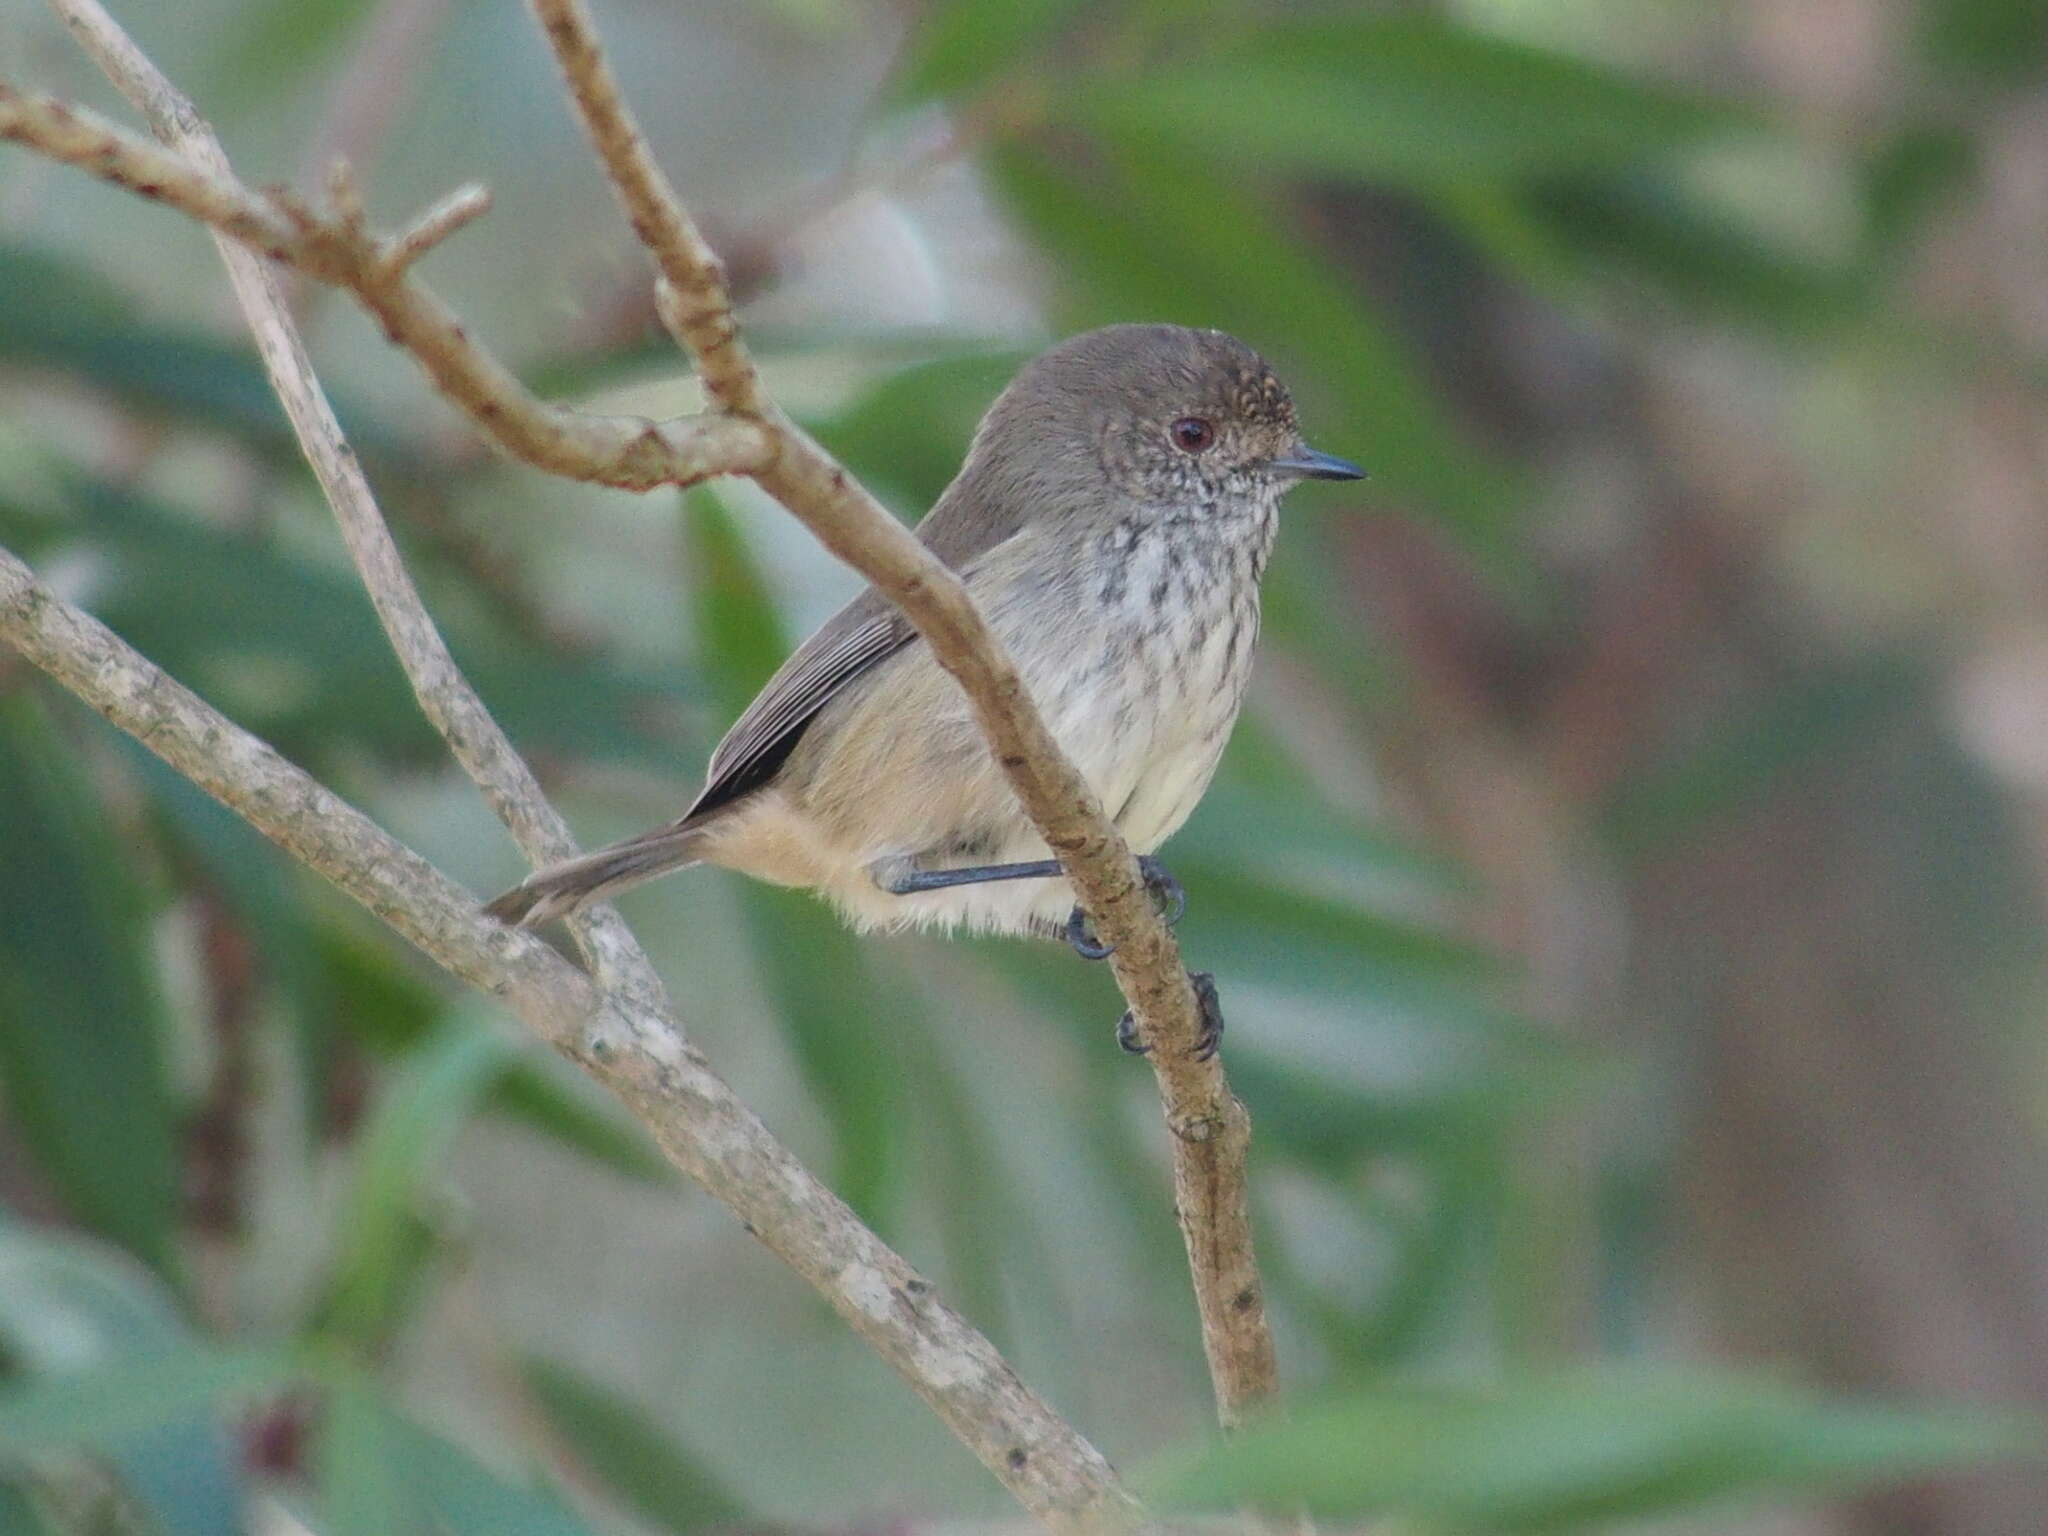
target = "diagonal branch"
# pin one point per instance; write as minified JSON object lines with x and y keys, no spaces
{"x":694,"y":303}
{"x":634,"y":1050}
{"x":621,"y":967}
{"x":444,"y":694}
{"x":629,"y":452}
{"x":747,"y":434}
{"x":445,"y":697}
{"x":1211,"y":1131}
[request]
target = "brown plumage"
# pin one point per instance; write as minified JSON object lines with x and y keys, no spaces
{"x":1112,"y":521}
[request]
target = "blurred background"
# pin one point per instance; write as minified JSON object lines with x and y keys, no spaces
{"x":1627,"y":884}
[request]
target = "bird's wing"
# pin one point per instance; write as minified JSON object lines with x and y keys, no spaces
{"x":962,"y":526}
{"x":864,"y":632}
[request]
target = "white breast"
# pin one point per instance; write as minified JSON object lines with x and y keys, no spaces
{"x":1139,"y":676}
{"x":1148,"y":730}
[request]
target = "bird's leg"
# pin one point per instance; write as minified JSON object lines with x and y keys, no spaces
{"x":906,"y":879}
{"x":901,"y":877}
{"x":1206,"y":1041}
{"x":1167,"y":893}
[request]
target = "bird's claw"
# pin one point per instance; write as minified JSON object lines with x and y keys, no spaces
{"x":1083,"y":939}
{"x":1169,"y":899}
{"x":1169,"y":896}
{"x":1207,"y":1038}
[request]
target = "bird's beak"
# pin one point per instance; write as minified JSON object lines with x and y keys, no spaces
{"x":1309,"y":464}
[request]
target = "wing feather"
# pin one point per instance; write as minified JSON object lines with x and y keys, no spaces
{"x":969,"y":520}
{"x":864,"y":632}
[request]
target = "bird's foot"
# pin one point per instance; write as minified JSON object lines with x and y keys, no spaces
{"x":1168,"y":895}
{"x":1207,"y":1038}
{"x":1169,"y":898}
{"x":1083,"y":939}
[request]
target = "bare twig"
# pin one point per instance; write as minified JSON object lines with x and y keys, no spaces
{"x":473,"y":735}
{"x":747,"y":434}
{"x":459,"y":208}
{"x":694,"y":301}
{"x":444,"y":694}
{"x":629,"y":452}
{"x":1211,"y":1131}
{"x":635,"y":1051}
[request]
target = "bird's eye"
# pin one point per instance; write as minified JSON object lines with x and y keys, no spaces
{"x":1191,"y":434}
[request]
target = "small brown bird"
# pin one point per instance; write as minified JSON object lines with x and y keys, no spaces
{"x":1112,"y":520}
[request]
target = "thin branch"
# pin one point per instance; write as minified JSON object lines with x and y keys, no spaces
{"x":629,"y":452}
{"x":694,"y":299}
{"x":621,"y":967}
{"x":445,"y":697}
{"x":485,"y":753}
{"x":635,"y":1051}
{"x":452,"y":213}
{"x":1211,"y":1131}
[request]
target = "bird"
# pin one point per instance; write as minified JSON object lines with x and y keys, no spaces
{"x":1112,"y":520}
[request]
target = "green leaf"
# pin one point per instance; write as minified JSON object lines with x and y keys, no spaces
{"x":69,"y":1304}
{"x":822,"y":991}
{"x":1334,"y":937}
{"x":383,"y":1004}
{"x":1911,"y":174}
{"x":1652,"y":231}
{"x":1986,"y":42}
{"x":906,"y":435}
{"x":102,"y":1409}
{"x":651,"y":1475}
{"x":1537,"y":1454}
{"x":184,"y":1474}
{"x":291,"y":648}
{"x":1398,"y":99}
{"x":54,"y":314}
{"x":82,"y":1029}
{"x":294,"y":651}
{"x":274,"y":47}
{"x":381,"y":1475}
{"x":1449,"y":1105}
{"x":548,"y":1095}
{"x":365,"y":1487}
{"x":1740,"y":760}
{"x":235,"y":862}
{"x":382,"y":1243}
{"x":1250,"y":929}
{"x":18,"y":1513}
{"x":70,"y":1301}
{"x":739,"y":639}
{"x":958,"y":45}
{"x":1294,"y":840}
{"x":467,"y":1497}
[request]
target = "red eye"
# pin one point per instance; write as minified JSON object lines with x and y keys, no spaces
{"x":1191,"y":434}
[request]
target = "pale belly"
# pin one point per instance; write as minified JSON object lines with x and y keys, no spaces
{"x":1148,"y":752}
{"x":1143,"y":709}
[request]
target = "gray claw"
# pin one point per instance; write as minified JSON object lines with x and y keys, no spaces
{"x":1168,"y":894}
{"x":1207,"y":1039}
{"x":1083,"y":939}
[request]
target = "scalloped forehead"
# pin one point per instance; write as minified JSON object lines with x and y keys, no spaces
{"x":1156,"y":371}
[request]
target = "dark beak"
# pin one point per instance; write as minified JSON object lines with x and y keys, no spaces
{"x":1309,"y":464}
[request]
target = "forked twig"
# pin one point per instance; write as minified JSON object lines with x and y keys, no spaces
{"x":743,"y":433}
{"x":1211,"y":1131}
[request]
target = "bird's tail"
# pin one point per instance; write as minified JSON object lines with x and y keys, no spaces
{"x":567,"y":887}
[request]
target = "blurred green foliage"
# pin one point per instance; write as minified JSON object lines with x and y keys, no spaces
{"x":1158,"y":158}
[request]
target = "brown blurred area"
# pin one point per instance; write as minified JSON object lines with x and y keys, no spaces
{"x":1853,"y":1116}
